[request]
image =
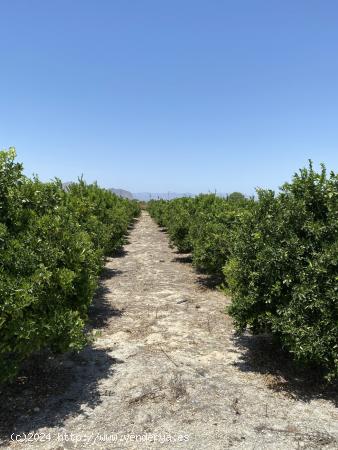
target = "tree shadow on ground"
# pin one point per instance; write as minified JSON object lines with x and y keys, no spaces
{"x":259,"y":354}
{"x":107,"y":273}
{"x":120,"y":253}
{"x":51,"y":388}
{"x":208,"y":281}
{"x":133,"y":222}
{"x":102,"y":310}
{"x":183,"y":258}
{"x":203,"y":279}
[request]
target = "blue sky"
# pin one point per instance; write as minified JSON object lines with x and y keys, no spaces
{"x":185,"y":95}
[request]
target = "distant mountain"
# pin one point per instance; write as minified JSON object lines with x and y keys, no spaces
{"x":122,"y":193}
{"x":146,"y":196}
{"x":66,"y":185}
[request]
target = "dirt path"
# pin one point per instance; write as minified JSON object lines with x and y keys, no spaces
{"x":166,"y":367}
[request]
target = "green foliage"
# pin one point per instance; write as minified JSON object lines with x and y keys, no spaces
{"x":175,"y":216}
{"x":178,"y":220}
{"x":283,"y":273}
{"x":236,"y":197}
{"x":211,"y":232}
{"x":102,"y":214}
{"x":202,"y":225}
{"x":158,"y":211}
{"x":278,"y":256}
{"x":52,"y":244}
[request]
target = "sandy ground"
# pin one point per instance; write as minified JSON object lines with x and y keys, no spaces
{"x":166,"y":372}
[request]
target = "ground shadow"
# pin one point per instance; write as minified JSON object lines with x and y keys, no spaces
{"x":108,"y":272}
{"x":101,"y":309}
{"x":183,"y":259}
{"x":208,"y":281}
{"x":259,"y":354}
{"x":132,"y":223}
{"x":203,"y":279}
{"x":50,"y":388}
{"x":120,"y":253}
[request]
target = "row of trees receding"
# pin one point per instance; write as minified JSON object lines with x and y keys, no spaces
{"x":52,"y":246}
{"x":277,"y":255}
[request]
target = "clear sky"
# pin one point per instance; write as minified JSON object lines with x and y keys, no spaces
{"x":172,"y":95}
